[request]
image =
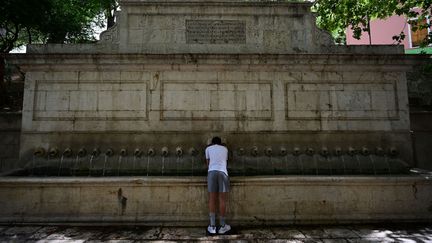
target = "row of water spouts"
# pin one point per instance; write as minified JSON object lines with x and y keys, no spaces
{"x":82,"y":152}
{"x":96,"y":152}
{"x":324,"y":151}
{"x":254,"y":151}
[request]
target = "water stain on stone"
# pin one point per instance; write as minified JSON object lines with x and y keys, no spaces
{"x":122,"y":200}
{"x":414,"y":186}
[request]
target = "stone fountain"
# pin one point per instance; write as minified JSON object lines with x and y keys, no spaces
{"x":114,"y":132}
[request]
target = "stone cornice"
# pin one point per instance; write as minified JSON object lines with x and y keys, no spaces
{"x":201,"y":61}
{"x":216,"y":2}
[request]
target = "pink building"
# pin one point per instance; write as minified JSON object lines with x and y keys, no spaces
{"x":382,"y":31}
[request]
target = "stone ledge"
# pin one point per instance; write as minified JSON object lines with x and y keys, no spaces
{"x":253,"y":201}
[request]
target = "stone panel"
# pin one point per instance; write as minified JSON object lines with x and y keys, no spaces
{"x":342,"y":101}
{"x":88,"y":100}
{"x":170,"y":201}
{"x":215,"y":32}
{"x":215,"y":101}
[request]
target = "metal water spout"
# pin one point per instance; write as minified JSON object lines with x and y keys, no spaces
{"x":179,"y":151}
{"x":67,"y":152}
{"x":241,"y":151}
{"x":82,"y":152}
{"x":338,"y":151}
{"x":39,"y":152}
{"x":268,"y":151}
{"x":138,"y":153}
{"x":123,"y":152}
{"x":310,"y":151}
{"x":283,"y":151}
{"x":296,"y":151}
{"x":95,"y":152}
{"x":365,"y":151}
{"x":109,"y":152}
{"x":324,"y":151}
{"x":193,"y":152}
{"x":151,"y":152}
{"x":351,"y":151}
{"x":393,"y":151}
{"x":53,"y":152}
{"x":379,"y":151}
{"x":164,"y":152}
{"x":254,"y":151}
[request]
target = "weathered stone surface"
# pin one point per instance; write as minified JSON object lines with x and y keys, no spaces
{"x":10,"y":132}
{"x":153,"y":200}
{"x":213,"y":27}
{"x":150,"y":93}
{"x":174,"y":73}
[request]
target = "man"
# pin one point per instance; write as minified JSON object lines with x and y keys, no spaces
{"x":217,"y":183}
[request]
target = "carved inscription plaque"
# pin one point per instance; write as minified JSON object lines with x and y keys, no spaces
{"x":215,"y":32}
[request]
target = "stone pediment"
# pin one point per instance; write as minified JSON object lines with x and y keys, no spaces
{"x":226,"y":26}
{"x":218,"y":27}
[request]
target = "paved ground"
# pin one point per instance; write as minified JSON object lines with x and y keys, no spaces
{"x":359,"y":233}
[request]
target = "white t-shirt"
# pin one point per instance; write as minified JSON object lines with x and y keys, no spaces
{"x":218,"y":156}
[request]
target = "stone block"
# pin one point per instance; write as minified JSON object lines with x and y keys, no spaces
{"x":50,"y":86}
{"x":189,"y":76}
{"x":237,"y":76}
{"x":355,"y":100}
{"x":60,"y":76}
{"x":89,"y":76}
{"x":134,"y":76}
{"x":114,"y":75}
{"x":383,"y":100}
{"x":83,"y":101}
{"x":57,"y":100}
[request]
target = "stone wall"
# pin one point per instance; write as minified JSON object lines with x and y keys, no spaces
{"x":252,"y":201}
{"x":10,"y":132}
{"x":183,"y":100}
{"x":174,"y":73}
{"x":421,"y":125}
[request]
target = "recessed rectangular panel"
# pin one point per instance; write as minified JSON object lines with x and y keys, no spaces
{"x":216,"y":101}
{"x":341,"y":101}
{"x":90,"y":101}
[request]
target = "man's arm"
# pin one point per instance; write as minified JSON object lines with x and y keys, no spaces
{"x":208,"y":162}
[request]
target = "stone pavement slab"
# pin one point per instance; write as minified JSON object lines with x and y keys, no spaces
{"x":287,"y":233}
{"x":126,"y":234}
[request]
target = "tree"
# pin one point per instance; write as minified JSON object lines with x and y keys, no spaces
{"x":336,"y":15}
{"x":51,"y":21}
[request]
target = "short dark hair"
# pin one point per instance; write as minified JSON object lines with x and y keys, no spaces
{"x":216,"y":140}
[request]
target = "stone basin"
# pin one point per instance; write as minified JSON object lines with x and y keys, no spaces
{"x":254,"y":200}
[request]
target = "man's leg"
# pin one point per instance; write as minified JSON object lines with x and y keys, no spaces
{"x":212,"y":189}
{"x":223,"y":196}
{"x":222,"y":206}
{"x":212,"y":207}
{"x":212,"y":201}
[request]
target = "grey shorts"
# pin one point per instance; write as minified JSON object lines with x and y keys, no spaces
{"x":217,"y":181}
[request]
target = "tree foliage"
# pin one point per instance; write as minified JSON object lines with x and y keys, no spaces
{"x":51,"y":21}
{"x":336,"y":15}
